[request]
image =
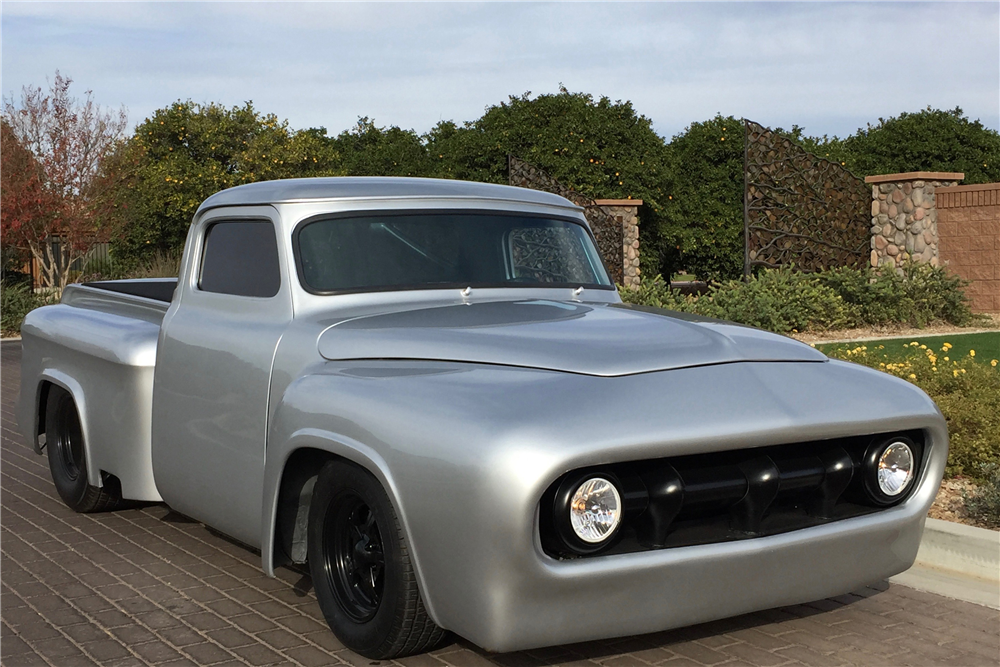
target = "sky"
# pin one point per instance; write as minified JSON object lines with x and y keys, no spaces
{"x":829,"y":67}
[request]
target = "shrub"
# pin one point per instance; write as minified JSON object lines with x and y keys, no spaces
{"x":16,"y":301}
{"x":786,"y":301}
{"x":967,"y":392}
{"x":657,"y":293}
{"x":781,"y":300}
{"x":919,"y":295}
{"x":983,"y":504}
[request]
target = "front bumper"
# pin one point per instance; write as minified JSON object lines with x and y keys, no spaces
{"x":562,"y":602}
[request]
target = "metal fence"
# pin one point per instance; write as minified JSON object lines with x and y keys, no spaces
{"x":99,"y":253}
{"x":799,"y":209}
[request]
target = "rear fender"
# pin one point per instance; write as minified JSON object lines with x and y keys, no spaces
{"x":60,"y":379}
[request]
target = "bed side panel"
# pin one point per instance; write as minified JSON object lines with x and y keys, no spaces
{"x":106,"y":361}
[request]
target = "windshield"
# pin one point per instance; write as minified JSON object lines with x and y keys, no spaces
{"x":444,"y":249}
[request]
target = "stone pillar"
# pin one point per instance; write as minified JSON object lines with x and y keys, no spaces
{"x":904,"y":216}
{"x":626,"y":212}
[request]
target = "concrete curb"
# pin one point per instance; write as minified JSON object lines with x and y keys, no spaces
{"x":957,"y":561}
{"x":967,"y":550}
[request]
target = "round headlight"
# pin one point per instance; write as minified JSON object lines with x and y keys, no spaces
{"x":595,"y":510}
{"x":895,"y":469}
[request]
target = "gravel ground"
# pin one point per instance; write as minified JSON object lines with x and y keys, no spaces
{"x":949,"y":505}
{"x":869,"y":333}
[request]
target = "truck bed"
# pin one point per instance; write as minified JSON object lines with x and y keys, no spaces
{"x":157,"y":289}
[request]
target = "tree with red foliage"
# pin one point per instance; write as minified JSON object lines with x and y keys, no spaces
{"x":25,"y":203}
{"x":59,"y":194}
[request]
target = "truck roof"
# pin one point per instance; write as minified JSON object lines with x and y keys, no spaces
{"x":365,"y":187}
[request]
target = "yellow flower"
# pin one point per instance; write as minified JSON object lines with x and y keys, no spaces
{"x":947,"y":359}
{"x":912,"y":376}
{"x":993,"y":363}
{"x":954,"y":373}
{"x":948,"y":345}
{"x":972,"y":353}
{"x":923,"y":347}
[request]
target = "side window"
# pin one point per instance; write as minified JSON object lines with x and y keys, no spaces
{"x":240,"y":258}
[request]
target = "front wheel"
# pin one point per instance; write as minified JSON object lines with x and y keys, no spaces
{"x":67,"y":457}
{"x":361,"y":568}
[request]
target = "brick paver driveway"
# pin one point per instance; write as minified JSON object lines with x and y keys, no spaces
{"x":149,"y":587}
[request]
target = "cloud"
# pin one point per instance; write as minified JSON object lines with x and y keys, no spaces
{"x":830,"y":67}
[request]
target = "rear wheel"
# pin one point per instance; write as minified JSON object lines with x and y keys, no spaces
{"x":67,"y":457}
{"x":361,"y":568}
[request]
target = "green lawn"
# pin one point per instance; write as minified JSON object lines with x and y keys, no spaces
{"x":986,"y":345}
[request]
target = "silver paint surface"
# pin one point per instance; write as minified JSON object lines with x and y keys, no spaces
{"x":554,"y":335}
{"x":101,"y":347}
{"x":466,"y":407}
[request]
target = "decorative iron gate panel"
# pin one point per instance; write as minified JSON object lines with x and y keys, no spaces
{"x":607,"y":231}
{"x":800,"y":209}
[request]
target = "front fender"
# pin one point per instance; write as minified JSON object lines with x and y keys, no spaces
{"x":466,"y":451}
{"x":315,"y":439}
{"x":424,"y":430}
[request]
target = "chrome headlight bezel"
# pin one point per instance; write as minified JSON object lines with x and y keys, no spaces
{"x":875,"y":455}
{"x":562,"y":507}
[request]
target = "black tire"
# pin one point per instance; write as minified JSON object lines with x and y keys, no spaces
{"x":67,"y":460}
{"x":361,"y":568}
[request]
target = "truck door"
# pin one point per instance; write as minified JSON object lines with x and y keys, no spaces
{"x":213,"y":370}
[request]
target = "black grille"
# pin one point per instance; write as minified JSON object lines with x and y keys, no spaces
{"x":733,"y":495}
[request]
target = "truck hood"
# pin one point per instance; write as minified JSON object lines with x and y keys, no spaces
{"x":592,"y":339}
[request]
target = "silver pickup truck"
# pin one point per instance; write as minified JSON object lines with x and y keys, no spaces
{"x":431,"y":393}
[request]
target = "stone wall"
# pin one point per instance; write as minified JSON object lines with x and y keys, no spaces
{"x":904,"y":216}
{"x":969,"y":229}
{"x":626,"y":213}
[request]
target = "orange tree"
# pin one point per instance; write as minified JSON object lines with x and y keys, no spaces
{"x":928,"y":140}
{"x":703,"y":210}
{"x":600,"y":148}
{"x":185,"y":152}
{"x":369,"y":150}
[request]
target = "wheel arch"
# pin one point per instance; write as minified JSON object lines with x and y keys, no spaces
{"x":48,"y":379}
{"x":290,"y":472}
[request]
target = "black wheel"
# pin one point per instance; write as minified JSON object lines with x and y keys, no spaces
{"x":361,"y":568}
{"x":67,"y":459}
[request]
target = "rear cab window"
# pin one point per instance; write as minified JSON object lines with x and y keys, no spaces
{"x":240,"y":258}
